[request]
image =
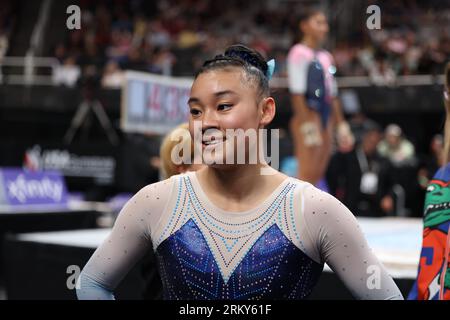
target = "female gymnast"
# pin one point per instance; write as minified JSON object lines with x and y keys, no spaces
{"x":227,"y":231}
{"x":433,"y":279}
{"x":315,"y":106}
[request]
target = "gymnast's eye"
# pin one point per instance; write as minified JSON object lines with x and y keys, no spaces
{"x":224,"y":106}
{"x":194,"y":112}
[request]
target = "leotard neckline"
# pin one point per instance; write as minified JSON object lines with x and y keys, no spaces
{"x":236,"y":214}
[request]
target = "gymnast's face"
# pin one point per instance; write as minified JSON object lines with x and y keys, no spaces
{"x":316,"y":27}
{"x":224,"y":99}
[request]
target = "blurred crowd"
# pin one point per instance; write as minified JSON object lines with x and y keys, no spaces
{"x":383,"y":175}
{"x":174,"y":37}
{"x":414,"y":39}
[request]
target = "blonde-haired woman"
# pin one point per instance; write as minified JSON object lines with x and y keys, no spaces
{"x":433,"y":279}
{"x":180,"y":138}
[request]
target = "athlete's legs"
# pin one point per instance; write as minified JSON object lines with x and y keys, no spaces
{"x":312,"y":145}
{"x":327,"y":137}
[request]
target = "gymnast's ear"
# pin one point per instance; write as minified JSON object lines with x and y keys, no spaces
{"x":267,"y":111}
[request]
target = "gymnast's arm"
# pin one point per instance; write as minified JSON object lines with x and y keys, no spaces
{"x":127,"y":243}
{"x":339,"y":242}
{"x":297,"y":80}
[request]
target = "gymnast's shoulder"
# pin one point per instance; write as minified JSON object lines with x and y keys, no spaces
{"x":314,"y":200}
{"x":157,"y":192}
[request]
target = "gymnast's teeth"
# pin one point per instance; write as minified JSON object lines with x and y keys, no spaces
{"x":212,"y":142}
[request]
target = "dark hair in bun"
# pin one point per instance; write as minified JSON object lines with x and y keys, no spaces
{"x":251,"y":61}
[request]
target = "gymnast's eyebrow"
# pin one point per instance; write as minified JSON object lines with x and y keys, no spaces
{"x":217,"y":94}
{"x":193,"y":100}
{"x":223,"y":93}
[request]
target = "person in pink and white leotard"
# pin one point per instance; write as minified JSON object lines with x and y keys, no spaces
{"x":316,"y":109}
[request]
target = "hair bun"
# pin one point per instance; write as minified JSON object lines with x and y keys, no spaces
{"x":248,"y":55}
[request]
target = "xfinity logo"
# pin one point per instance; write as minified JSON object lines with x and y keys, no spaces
{"x":23,"y":189}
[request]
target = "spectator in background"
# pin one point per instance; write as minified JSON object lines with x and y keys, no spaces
{"x":113,"y":76}
{"x":361,"y":178}
{"x":358,"y":123}
{"x":134,"y":60}
{"x":121,"y":42}
{"x":397,"y":148}
{"x":67,"y":74}
{"x":8,"y":11}
{"x":431,"y":163}
{"x":92,"y":55}
{"x":401,"y":155}
{"x":357,"y":120}
{"x":4,"y":44}
{"x":433,"y":58}
{"x":60,"y":52}
{"x":161,"y":61}
{"x":412,"y":55}
{"x":380,"y":72}
{"x":188,"y":39}
{"x":140,"y":30}
{"x":157,"y":35}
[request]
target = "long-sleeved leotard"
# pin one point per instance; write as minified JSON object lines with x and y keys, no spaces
{"x":274,"y":251}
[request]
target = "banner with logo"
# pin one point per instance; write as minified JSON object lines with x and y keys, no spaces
{"x":71,"y":163}
{"x":153,"y":103}
{"x":20,"y":187}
